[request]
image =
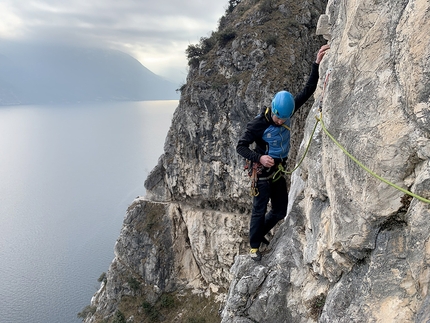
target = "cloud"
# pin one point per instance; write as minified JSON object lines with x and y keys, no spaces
{"x":155,"y":32}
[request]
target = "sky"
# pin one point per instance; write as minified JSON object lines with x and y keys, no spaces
{"x":156,"y":33}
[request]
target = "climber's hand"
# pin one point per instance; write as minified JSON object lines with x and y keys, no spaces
{"x":267,"y":161}
{"x":321,"y":53}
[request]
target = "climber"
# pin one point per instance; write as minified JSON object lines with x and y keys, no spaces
{"x":271,"y":135}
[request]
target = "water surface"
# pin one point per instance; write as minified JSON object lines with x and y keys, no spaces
{"x":67,"y":175}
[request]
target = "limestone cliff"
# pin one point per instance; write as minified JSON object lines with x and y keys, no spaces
{"x":352,"y":248}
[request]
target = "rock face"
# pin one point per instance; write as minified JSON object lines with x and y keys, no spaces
{"x":352,"y":248}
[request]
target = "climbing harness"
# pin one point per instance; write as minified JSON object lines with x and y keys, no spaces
{"x":255,"y":169}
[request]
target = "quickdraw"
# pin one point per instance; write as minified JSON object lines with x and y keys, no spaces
{"x":254,"y":169}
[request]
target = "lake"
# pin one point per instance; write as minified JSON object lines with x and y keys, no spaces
{"x":67,"y":175}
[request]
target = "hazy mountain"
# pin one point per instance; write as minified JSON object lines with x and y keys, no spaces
{"x":38,"y":74}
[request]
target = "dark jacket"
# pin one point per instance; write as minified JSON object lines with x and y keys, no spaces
{"x":256,"y":130}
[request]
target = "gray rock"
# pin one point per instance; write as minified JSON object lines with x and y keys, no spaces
{"x":352,"y":248}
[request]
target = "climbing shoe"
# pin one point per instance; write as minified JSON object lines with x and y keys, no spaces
{"x":255,"y":254}
{"x":264,"y":246}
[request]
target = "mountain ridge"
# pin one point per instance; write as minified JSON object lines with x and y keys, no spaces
{"x":46,"y":74}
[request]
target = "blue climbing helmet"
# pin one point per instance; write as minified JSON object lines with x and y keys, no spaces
{"x":283,"y":105}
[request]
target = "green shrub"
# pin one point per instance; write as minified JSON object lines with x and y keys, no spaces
{"x":225,"y":36}
{"x":151,"y":312}
{"x":102,"y":278}
{"x":207,"y":43}
{"x":222,"y":22}
{"x":232,"y":4}
{"x":133,"y":283}
{"x":196,"y":320}
{"x":317,"y":305}
{"x":119,"y":317}
{"x":86,"y":311}
{"x":193,"y":51}
{"x":167,"y":301}
{"x":181,"y":88}
{"x":266,"y":6}
{"x":271,"y":40}
{"x":194,"y":62}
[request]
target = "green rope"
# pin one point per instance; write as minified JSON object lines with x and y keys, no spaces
{"x":367,"y":169}
{"x":281,"y":171}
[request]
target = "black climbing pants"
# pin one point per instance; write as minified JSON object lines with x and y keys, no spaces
{"x":262,"y":223}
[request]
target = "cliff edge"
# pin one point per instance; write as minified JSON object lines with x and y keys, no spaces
{"x":352,"y":248}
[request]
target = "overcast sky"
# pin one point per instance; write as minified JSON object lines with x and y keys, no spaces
{"x":154,"y":32}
